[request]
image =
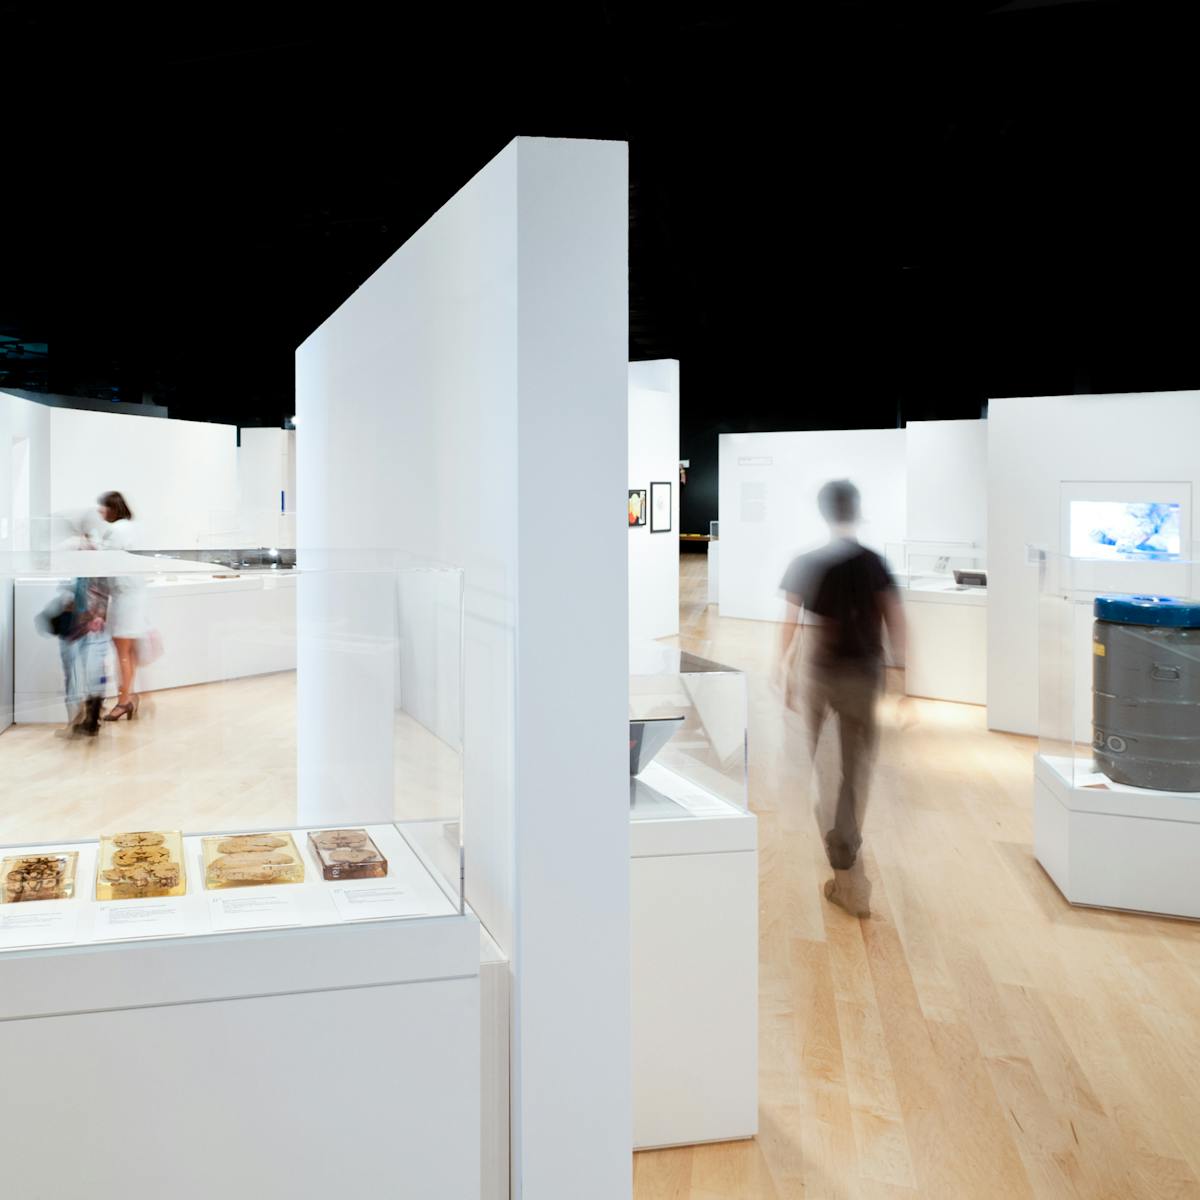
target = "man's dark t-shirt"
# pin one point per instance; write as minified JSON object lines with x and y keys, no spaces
{"x":843,"y":584}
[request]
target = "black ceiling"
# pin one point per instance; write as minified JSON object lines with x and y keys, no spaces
{"x":841,"y":213}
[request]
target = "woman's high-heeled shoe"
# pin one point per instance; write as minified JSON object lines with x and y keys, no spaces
{"x":128,"y":709}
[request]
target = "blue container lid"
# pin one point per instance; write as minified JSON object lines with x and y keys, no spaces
{"x":1168,"y":611}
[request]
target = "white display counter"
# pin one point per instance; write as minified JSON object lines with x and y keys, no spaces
{"x":1112,"y":846}
{"x":947,"y":652}
{"x":694,"y":881}
{"x":211,"y":628}
{"x":286,"y":1050}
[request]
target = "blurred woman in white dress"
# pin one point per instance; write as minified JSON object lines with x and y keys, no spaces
{"x":127,"y":623}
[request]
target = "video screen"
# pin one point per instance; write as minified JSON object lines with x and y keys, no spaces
{"x":1120,"y":529}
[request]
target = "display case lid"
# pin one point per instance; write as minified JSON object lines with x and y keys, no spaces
{"x":1163,"y":611}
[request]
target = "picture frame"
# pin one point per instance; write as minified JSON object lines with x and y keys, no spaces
{"x":660,"y":507}
{"x":638,"y":507}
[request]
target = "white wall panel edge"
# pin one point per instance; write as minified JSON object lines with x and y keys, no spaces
{"x":572,"y":1022}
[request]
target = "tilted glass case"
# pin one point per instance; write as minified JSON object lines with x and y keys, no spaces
{"x":1119,"y":670}
{"x":288,"y":751}
{"x":937,"y":566}
{"x":687,"y":736}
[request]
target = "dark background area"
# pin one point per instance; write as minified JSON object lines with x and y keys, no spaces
{"x":841,"y":214}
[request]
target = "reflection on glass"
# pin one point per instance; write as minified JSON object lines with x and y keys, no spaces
{"x":325,"y":697}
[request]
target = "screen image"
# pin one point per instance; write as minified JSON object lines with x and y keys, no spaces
{"x":1121,"y":529}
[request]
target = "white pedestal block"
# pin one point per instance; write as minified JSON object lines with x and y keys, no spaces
{"x":947,"y":653}
{"x":695,"y":973}
{"x":714,"y":573}
{"x":1111,"y":846}
{"x":300,"y":1062}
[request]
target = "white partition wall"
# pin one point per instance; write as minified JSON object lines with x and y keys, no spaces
{"x":1043,"y":451}
{"x":188,"y":482}
{"x":180,"y":477}
{"x":947,"y":481}
{"x":469,"y":402}
{"x":266,"y":485}
{"x":768,"y":504}
{"x":654,"y":457}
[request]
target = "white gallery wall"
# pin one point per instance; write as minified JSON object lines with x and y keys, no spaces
{"x":180,"y":477}
{"x":469,"y":404}
{"x":654,"y":457}
{"x":184,"y":479}
{"x":947,"y":464}
{"x":266,"y":480}
{"x":767,"y":495}
{"x":1040,"y":449}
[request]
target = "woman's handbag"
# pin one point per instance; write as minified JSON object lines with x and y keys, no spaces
{"x":149,"y":648}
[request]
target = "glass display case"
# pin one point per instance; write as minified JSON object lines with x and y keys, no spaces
{"x":1119,"y":671}
{"x":937,"y":566}
{"x":687,"y":736}
{"x":187,"y":752}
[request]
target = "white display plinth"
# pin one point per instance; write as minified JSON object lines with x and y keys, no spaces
{"x":1110,"y":846}
{"x":694,"y":880}
{"x":714,"y":573}
{"x":273,"y":1063}
{"x":947,"y":654}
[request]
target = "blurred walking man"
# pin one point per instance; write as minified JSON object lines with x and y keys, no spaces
{"x":849,"y":598}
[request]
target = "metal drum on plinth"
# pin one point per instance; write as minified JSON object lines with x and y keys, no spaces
{"x":1146,"y":691}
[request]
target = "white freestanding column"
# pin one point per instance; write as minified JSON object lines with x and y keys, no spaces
{"x":654,"y":458}
{"x":468,"y":403}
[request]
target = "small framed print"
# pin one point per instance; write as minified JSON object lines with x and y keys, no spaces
{"x":660,"y":508}
{"x":637,"y":506}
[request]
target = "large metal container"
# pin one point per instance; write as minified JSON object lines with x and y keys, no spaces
{"x":1146,"y":691}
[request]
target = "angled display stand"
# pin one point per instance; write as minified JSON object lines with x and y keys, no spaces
{"x":296,"y":995}
{"x":694,"y":888}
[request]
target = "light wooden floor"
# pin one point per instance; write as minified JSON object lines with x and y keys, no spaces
{"x":218,"y":756}
{"x":976,"y":1037}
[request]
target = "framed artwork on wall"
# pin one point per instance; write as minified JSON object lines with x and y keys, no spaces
{"x":660,"y":508}
{"x":637,"y":506}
